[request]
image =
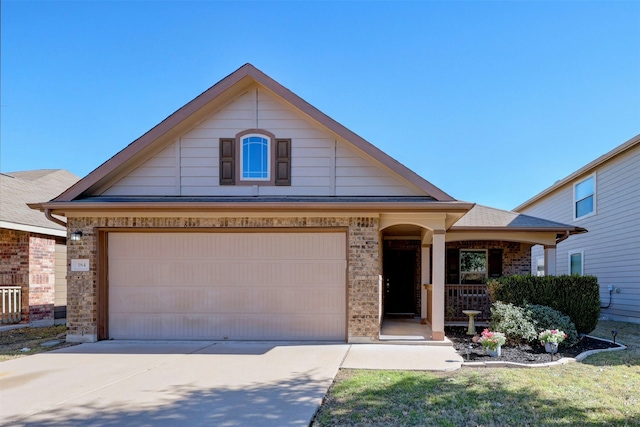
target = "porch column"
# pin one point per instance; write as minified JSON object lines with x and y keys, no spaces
{"x":437,"y":309}
{"x":550,"y":260}
{"x":425,"y":269}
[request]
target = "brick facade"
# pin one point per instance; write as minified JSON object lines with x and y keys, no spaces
{"x":363,"y":264}
{"x":28,"y":261}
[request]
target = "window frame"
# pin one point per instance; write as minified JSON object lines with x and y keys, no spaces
{"x":461,"y":272}
{"x":592,"y":195}
{"x":569,"y":255}
{"x":269,"y":160}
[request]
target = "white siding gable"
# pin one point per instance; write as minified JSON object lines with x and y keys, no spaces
{"x":612,"y":246}
{"x":321,"y":164}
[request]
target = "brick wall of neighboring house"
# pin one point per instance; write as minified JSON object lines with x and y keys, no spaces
{"x":516,"y":257}
{"x":42,"y":277}
{"x":363,"y":264}
{"x":28,"y":261}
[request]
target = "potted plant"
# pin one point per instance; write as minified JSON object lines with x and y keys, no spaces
{"x":551,"y":338}
{"x":493,"y":342}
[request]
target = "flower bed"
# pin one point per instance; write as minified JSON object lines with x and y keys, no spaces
{"x":523,"y":353}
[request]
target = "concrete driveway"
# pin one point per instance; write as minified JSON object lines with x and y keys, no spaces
{"x":123,"y":383}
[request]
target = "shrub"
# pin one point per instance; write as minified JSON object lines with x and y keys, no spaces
{"x":525,"y":323}
{"x":514,"y":321}
{"x":576,"y":296}
{"x":547,"y":318}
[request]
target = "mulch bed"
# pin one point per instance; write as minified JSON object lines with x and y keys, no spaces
{"x":523,"y":353}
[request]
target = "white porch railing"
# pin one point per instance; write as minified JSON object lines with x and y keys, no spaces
{"x":11,"y":299}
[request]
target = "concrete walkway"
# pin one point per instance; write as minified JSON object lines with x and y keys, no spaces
{"x":190,"y":383}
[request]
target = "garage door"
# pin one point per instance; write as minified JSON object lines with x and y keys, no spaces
{"x":236,"y":286}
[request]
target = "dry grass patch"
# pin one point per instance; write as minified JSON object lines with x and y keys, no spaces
{"x":25,"y":341}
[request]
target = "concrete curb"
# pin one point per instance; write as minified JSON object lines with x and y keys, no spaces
{"x":559,"y":362}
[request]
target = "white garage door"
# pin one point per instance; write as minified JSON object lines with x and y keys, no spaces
{"x":236,"y":286}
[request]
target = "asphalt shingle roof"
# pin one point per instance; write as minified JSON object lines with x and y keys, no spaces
{"x":19,"y":188}
{"x":484,"y":216}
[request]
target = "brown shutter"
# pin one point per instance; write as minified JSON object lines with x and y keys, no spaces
{"x":283,"y":162}
{"x":453,"y":266}
{"x":227,"y":161}
{"x":495,"y":263}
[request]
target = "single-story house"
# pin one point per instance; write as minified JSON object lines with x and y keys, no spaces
{"x":603,"y":196}
{"x":33,"y":283}
{"x":248,"y":214}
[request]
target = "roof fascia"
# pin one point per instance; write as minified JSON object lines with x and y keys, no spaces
{"x":569,"y":228}
{"x":585,"y":170}
{"x":33,"y":229}
{"x":62,"y":208}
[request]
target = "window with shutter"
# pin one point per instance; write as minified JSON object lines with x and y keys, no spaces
{"x":255,"y":157}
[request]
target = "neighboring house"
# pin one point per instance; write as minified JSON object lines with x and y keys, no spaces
{"x":33,"y":249}
{"x":603,"y":197}
{"x":249,"y":214}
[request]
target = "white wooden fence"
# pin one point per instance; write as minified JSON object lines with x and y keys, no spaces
{"x":10,"y":297}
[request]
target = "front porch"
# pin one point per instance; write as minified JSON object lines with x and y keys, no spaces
{"x":408,"y":331}
{"x":434,"y":265}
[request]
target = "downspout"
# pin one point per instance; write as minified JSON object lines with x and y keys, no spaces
{"x":47,"y":213}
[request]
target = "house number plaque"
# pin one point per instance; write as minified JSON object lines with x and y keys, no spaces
{"x":79,"y":265}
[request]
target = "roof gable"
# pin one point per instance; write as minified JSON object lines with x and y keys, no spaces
{"x":215,"y":99}
{"x":583,"y":171}
{"x":19,"y":188}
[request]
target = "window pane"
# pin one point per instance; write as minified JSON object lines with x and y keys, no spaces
{"x":473,"y":266}
{"x":255,"y":157}
{"x":584,"y":207}
{"x":540,"y":266}
{"x":576,"y":264}
{"x":584,"y":189}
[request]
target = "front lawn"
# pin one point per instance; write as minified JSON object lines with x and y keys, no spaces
{"x":603,"y":390}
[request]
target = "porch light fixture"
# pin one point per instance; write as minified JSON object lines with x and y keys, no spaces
{"x":76,"y":236}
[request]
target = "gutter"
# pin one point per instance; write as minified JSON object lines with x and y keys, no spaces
{"x":567,"y":233}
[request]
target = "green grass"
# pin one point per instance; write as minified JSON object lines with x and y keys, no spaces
{"x":603,"y":390}
{"x":13,"y":343}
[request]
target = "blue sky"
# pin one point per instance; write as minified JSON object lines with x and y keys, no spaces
{"x":490,"y":101}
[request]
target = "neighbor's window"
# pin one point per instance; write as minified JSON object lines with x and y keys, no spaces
{"x":540,"y":266}
{"x":255,"y":157}
{"x":473,"y":265}
{"x":584,"y":197}
{"x":576,"y":263}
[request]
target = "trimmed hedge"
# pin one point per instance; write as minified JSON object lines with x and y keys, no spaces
{"x":576,"y":296}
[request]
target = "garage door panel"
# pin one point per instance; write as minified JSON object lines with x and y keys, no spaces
{"x":231,"y":327}
{"x":138,"y":300}
{"x":235,"y":285}
{"x":165,"y":272}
